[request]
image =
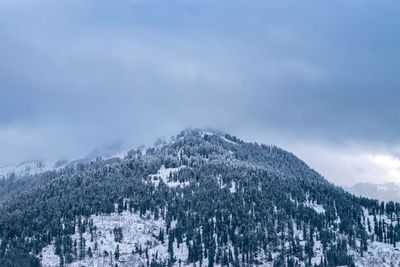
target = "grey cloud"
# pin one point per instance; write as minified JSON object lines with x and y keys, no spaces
{"x":77,"y":76}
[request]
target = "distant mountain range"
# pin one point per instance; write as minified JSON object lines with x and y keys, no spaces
{"x":384,"y":192}
{"x":34,"y":167}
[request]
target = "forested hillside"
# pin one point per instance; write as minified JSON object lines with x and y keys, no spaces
{"x":202,"y":198}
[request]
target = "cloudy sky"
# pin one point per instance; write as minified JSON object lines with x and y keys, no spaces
{"x":319,"y":78}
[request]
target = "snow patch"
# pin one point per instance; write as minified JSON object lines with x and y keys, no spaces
{"x":317,"y":207}
{"x":233,"y":187}
{"x":227,"y":140}
{"x":379,"y":254}
{"x":137,"y":232}
{"x":163,"y":174}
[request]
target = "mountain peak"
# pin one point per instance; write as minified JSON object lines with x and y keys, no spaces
{"x":200,"y":131}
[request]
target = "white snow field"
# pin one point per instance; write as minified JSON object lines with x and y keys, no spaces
{"x":317,"y":207}
{"x":136,"y":231}
{"x":163,"y":175}
{"x":143,"y":231}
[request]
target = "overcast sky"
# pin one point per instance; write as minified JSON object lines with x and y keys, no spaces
{"x":319,"y":78}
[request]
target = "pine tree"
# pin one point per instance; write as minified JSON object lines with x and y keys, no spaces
{"x":116,"y":253}
{"x":61,"y":260}
{"x":89,"y":252}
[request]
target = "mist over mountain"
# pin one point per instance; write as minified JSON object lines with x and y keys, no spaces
{"x":203,"y":198}
{"x":29,"y":168}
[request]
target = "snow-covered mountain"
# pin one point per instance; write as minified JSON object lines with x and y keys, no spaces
{"x":201,"y":198}
{"x":29,"y":168}
{"x":384,"y":192}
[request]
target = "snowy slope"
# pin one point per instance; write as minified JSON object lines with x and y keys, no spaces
{"x":140,"y":233}
{"x":163,"y":175}
{"x":137,"y":231}
{"x":40,"y":166}
{"x":29,"y":168}
{"x":378,"y":254}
